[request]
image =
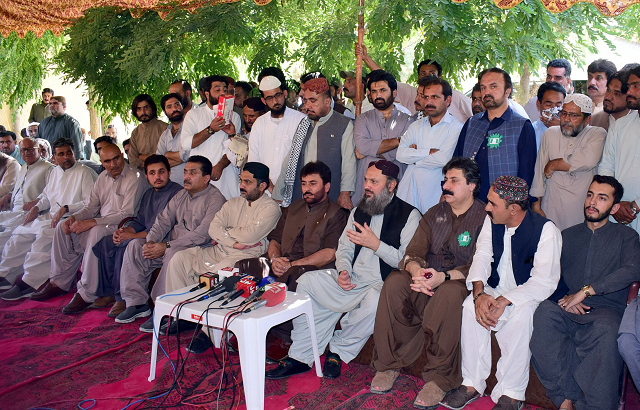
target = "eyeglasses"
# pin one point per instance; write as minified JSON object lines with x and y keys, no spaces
{"x":26,"y":150}
{"x":571,"y":115}
{"x":273,"y":97}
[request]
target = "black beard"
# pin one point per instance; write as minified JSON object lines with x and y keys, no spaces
{"x":377,"y":204}
{"x":601,"y":217}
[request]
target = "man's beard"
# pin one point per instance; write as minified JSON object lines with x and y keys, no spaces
{"x":376,"y":204}
{"x":382,"y":104}
{"x":313,"y":198}
{"x":476,"y":109}
{"x":280,"y":110}
{"x":613,"y":109}
{"x":575,"y":131}
{"x":186,"y":100}
{"x":213,"y":101}
{"x":599,"y":218}
{"x":490,"y":102}
{"x":177,"y":116}
{"x":252,"y":195}
{"x":633,"y":103}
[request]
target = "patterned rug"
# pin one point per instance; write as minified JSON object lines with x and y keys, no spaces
{"x":55,"y":361}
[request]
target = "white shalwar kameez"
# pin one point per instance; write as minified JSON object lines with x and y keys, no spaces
{"x":420,"y":184}
{"x":29,"y":248}
{"x":330,"y":301}
{"x":271,"y":139}
{"x":198,"y":120}
{"x":515,"y":326}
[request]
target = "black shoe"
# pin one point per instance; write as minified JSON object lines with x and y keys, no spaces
{"x":147,"y":327}
{"x":5,"y":284}
{"x":200,"y":344}
{"x":184,"y":326}
{"x":288,"y":367}
{"x":332,"y":366}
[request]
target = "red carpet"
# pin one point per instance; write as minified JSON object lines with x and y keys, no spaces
{"x":55,"y":361}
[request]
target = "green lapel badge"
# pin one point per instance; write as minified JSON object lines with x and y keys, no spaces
{"x":464,"y":239}
{"x":494,"y":140}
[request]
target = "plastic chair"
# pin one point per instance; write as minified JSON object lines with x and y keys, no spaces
{"x":633,"y":293}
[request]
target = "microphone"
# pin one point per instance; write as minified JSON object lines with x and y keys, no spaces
{"x":233,"y":296}
{"x":275,"y":295}
{"x":199,"y":286}
{"x":226,"y":285}
{"x":271,"y":297}
{"x":261,"y":288}
{"x":257,"y":306}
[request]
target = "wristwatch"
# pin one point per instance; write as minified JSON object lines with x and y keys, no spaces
{"x":210,"y":130}
{"x":447,"y":276}
{"x":585,"y":289}
{"x":168,"y":245}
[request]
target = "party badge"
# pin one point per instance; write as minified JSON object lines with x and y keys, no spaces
{"x":464,"y":239}
{"x":494,"y":140}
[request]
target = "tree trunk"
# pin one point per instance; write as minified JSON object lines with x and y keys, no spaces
{"x":525,"y":85}
{"x":94,"y":119}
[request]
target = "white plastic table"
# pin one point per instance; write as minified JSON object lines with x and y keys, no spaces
{"x":250,"y":330}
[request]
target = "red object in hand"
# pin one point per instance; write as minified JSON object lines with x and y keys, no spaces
{"x":428,"y":275}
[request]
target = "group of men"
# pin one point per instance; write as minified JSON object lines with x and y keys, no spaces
{"x":426,"y":226}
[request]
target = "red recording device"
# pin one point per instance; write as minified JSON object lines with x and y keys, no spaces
{"x":248,"y":284}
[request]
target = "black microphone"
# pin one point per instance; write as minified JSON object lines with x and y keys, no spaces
{"x":232,"y":296}
{"x":199,"y":286}
{"x":225,"y":286}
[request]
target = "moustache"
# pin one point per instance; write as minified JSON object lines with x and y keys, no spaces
{"x":345,"y":89}
{"x":487,"y":97}
{"x":307,"y":193}
{"x":158,"y":181}
{"x":608,"y":101}
{"x":379,"y":99}
{"x":592,"y":87}
{"x":430,"y":106}
{"x":446,"y":192}
{"x":490,"y":214}
{"x":243,"y":191}
{"x":629,"y":98}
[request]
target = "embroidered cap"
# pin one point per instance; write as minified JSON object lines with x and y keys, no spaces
{"x":269,"y":83}
{"x":388,"y":168}
{"x":511,"y":188}
{"x":316,"y":85}
{"x":581,"y":100}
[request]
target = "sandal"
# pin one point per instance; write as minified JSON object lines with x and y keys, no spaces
{"x":383,"y":381}
{"x":431,"y":395}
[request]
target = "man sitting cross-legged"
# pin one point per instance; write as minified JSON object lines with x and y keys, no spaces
{"x":115,"y":196}
{"x":110,"y":249}
{"x":371,"y":246}
{"x":183,"y":224}
{"x":420,"y":308}
{"x":28,"y":249}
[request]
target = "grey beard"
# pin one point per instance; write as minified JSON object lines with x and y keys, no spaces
{"x":377,"y":204}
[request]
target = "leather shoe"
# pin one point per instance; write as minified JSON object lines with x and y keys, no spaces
{"x":103,"y":302}
{"x":116,"y":309}
{"x":332,"y":366}
{"x":288,"y":367}
{"x":76,"y":305}
{"x":49,"y":292}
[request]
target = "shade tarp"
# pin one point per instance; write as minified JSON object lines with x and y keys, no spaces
{"x":606,"y":7}
{"x":39,"y":16}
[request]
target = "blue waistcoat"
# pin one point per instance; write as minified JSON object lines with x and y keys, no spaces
{"x":524,"y":244}
{"x":503,"y":159}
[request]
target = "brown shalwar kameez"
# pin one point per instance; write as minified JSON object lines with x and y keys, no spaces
{"x":408,"y":322}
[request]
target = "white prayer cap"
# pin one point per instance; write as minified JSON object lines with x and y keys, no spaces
{"x":581,"y":100}
{"x":269,"y":83}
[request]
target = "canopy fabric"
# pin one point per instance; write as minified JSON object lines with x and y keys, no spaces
{"x":606,"y":7}
{"x":39,"y":16}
